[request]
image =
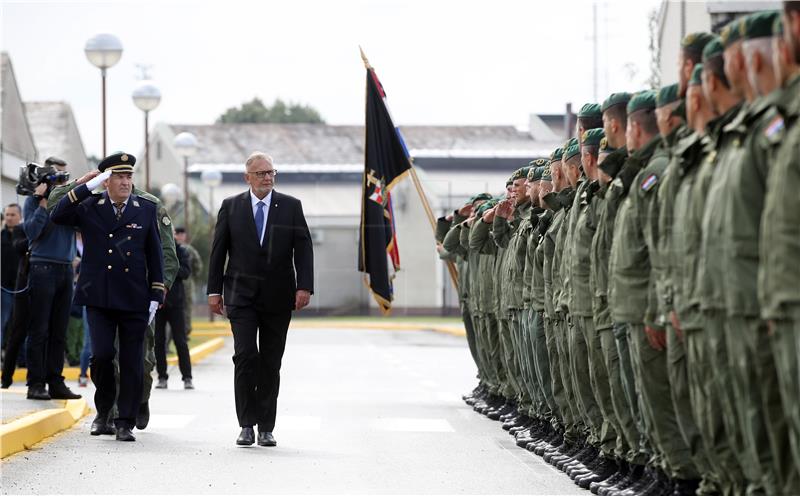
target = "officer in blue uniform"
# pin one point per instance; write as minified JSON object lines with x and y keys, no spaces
{"x":121,"y":282}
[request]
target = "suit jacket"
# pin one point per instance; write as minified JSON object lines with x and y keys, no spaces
{"x":122,"y":267}
{"x":263,"y":275}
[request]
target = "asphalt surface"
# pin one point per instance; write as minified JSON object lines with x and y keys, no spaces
{"x":360,"y":412}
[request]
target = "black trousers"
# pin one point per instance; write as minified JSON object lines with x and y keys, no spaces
{"x":51,"y":298}
{"x":17,"y":331}
{"x":104,"y":324}
{"x":259,"y":339}
{"x":174,"y":316}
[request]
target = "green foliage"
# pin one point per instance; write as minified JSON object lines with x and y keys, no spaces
{"x":255,"y":111}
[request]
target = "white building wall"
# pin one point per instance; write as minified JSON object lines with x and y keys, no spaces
{"x":673,"y":16}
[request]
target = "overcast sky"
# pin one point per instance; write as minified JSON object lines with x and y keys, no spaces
{"x":441,"y":62}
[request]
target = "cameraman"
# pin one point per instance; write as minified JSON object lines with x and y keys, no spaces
{"x":52,"y":249}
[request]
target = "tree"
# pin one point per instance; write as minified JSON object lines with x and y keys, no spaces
{"x":280,"y":112}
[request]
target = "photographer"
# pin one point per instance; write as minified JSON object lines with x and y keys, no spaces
{"x":52,"y":249}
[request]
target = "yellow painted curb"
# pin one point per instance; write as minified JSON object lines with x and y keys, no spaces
{"x":200,"y":351}
{"x":223,"y":329}
{"x":23,"y":433}
{"x":69,"y":373}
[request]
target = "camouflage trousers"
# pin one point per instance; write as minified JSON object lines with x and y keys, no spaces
{"x":627,"y":433}
{"x":541,"y":365}
{"x":598,"y":377}
{"x":574,"y":427}
{"x":682,"y":405}
{"x":494,"y":353}
{"x":785,"y":345}
{"x":527,"y":366}
{"x":562,"y":412}
{"x":466,"y":317}
{"x":511,"y":388}
{"x":702,"y":373}
{"x":655,"y":400}
{"x":581,"y":378}
{"x":518,"y":360}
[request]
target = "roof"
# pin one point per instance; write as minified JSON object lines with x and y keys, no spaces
{"x":56,"y":133}
{"x":303,"y":144}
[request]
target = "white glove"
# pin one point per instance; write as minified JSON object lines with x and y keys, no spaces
{"x":97,"y":180}
{"x":153,"y":308}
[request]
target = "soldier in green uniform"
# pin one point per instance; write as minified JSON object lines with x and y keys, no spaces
{"x":712,"y":269}
{"x":196,"y":263}
{"x":778,"y":291}
{"x":510,"y":215}
{"x":588,"y":360}
{"x":630,"y":287}
{"x":757,"y":400}
{"x":673,"y":199}
{"x":170,"y":270}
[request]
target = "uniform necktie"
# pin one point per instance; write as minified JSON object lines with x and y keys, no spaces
{"x":118,"y":207}
{"x":260,"y":220}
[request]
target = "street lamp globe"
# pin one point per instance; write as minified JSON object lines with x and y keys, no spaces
{"x":146,"y":96}
{"x":171,"y":194}
{"x":211,"y":178}
{"x":186,"y":144}
{"x":103,"y":50}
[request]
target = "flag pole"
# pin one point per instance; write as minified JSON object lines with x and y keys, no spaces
{"x":451,"y":268}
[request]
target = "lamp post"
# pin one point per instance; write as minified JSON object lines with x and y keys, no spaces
{"x":186,"y":144}
{"x":103,"y":51}
{"x":146,"y":97}
{"x":211,"y":178}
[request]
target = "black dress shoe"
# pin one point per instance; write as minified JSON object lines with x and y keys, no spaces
{"x":60,"y":391}
{"x":266,"y":439}
{"x":101,"y":426}
{"x":247,"y":437}
{"x":143,"y":417}
{"x":125,"y":434}
{"x":38,"y":392}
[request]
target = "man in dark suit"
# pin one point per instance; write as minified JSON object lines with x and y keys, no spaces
{"x":270,"y":272}
{"x":121,"y":282}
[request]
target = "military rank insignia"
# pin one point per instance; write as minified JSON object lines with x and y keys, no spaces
{"x":649,"y":182}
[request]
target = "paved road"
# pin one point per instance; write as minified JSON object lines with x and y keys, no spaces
{"x":359,"y":412}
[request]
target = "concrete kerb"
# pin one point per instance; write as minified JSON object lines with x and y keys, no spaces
{"x":21,"y":434}
{"x":223,"y":328}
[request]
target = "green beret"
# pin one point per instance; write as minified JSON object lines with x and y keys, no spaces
{"x":592,"y":137}
{"x":759,"y":25}
{"x":480,"y":197}
{"x":695,"y":79}
{"x":644,"y":100}
{"x":713,"y":49}
{"x":536,"y":167}
{"x":615,"y":99}
{"x":509,"y":182}
{"x":521,"y":173}
{"x":570,"y":142}
{"x":666,"y":95}
{"x":605,"y":147}
{"x":696,"y":41}
{"x":486,"y":206}
{"x":557,"y":154}
{"x":732,"y":32}
{"x":777,"y":26}
{"x":572,"y":151}
{"x":547,"y":172}
{"x":590,"y":110}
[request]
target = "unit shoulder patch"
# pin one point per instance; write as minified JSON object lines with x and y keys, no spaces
{"x":649,"y":182}
{"x":165,"y":220}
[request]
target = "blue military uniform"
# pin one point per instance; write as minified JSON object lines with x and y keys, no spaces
{"x":121,"y":273}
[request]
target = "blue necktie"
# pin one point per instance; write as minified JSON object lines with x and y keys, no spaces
{"x":260,"y":220}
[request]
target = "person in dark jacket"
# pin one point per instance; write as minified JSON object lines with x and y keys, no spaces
{"x":172,"y":313}
{"x":12,"y":217}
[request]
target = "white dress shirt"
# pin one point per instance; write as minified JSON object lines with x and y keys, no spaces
{"x":253,"y":202}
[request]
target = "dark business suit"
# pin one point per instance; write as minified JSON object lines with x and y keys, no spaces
{"x":258,"y":287}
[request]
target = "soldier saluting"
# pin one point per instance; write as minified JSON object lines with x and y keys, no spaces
{"x":121,"y":282}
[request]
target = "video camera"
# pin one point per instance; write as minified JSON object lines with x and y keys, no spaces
{"x":32,"y":175}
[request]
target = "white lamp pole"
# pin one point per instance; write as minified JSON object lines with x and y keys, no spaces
{"x":186,"y":144}
{"x":103,"y":51}
{"x":146,"y":97}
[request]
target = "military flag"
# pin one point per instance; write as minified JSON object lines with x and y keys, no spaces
{"x":386,"y":162}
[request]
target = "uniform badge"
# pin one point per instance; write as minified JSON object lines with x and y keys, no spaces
{"x":775,"y":126}
{"x":649,"y":182}
{"x":124,"y":158}
{"x":165,"y":220}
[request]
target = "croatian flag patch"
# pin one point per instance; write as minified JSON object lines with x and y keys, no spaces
{"x":775,"y":126}
{"x":648,"y":183}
